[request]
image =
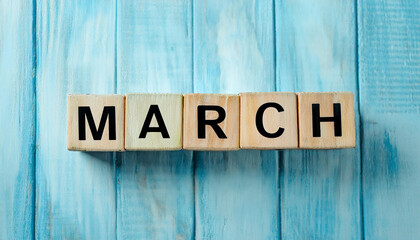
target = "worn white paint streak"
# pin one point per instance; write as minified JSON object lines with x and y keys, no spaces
{"x":16,"y":120}
{"x":155,"y":189}
{"x":236,"y":192}
{"x":389,"y":63}
{"x":75,"y":190}
{"x":316,"y":51}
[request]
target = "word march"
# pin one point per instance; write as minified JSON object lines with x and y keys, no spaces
{"x":276,"y":120}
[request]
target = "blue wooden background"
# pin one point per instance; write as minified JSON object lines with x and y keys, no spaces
{"x":51,"y":48}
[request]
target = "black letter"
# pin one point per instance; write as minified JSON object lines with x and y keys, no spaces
{"x":154,"y":110}
{"x":202,"y":121}
{"x":259,"y":120}
{"x":84,"y":112}
{"x":317,"y":119}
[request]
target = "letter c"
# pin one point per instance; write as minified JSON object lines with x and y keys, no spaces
{"x":259,"y":120}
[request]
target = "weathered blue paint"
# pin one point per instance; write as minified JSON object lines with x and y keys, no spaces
{"x":17,"y":120}
{"x":155,"y":191}
{"x":236,"y":193}
{"x":75,"y":191}
{"x":316,"y":51}
{"x":209,"y":46}
{"x":389,"y":73}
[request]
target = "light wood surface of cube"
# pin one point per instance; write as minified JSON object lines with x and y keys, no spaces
{"x":327,"y":139}
{"x":230,"y":125}
{"x":273,"y":119}
{"x":96,"y":104}
{"x":137,"y":108}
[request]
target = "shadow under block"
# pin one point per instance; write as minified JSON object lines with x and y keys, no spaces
{"x":211,"y":122}
{"x":95,"y":122}
{"x":326,"y":120}
{"x":153,"y":122}
{"x":268,"y":121}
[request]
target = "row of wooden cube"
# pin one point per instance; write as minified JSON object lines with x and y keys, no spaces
{"x":276,"y":120}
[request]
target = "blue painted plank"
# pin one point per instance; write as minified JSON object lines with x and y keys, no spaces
{"x":75,"y":191}
{"x":316,"y":51}
{"x":17,"y":116}
{"x":236,"y":192}
{"x":155,"y":191}
{"x":389,"y":73}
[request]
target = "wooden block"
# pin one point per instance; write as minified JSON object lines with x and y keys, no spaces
{"x":211,"y":122}
{"x":326,"y":120}
{"x":95,"y":122}
{"x":153,"y":122}
{"x":268,"y":120}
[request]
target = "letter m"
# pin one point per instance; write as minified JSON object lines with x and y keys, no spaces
{"x":85,"y":113}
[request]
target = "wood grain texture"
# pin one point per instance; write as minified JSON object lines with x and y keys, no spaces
{"x":327,"y":138}
{"x":272,"y":120}
{"x":96,"y":104}
{"x":17,"y":120}
{"x":229,"y":126}
{"x":155,"y":189}
{"x":166,"y":118}
{"x":316,"y":51}
{"x":236,"y":192}
{"x":75,"y":191}
{"x":389,"y":74}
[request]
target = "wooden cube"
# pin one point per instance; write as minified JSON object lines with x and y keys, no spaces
{"x":211,"y":122}
{"x":326,"y":120}
{"x":268,"y":120}
{"x":153,"y":122}
{"x":95,"y":122}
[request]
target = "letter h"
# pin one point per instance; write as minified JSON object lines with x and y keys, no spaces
{"x":317,"y":119}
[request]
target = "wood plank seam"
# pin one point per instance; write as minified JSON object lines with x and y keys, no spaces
{"x":360,"y":132}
